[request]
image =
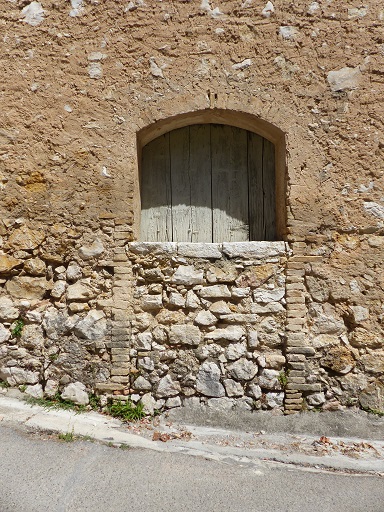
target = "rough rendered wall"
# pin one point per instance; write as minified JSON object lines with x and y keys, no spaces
{"x":81,"y":79}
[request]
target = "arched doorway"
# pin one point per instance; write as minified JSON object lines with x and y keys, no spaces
{"x":208,"y":183}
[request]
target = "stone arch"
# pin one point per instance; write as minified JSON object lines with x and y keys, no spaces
{"x":243,"y":120}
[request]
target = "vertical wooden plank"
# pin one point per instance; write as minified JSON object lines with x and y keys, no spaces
{"x":255,"y":180}
{"x":156,"y":218}
{"x":229,"y":184}
{"x":180,"y":183}
{"x":201,"y":185}
{"x":269,"y":181}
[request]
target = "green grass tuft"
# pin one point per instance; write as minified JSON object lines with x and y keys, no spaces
{"x":126,"y":411}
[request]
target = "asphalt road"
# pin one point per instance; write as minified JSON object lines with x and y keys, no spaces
{"x":39,"y":473}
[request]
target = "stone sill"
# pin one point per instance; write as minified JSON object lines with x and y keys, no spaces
{"x":257,"y":250}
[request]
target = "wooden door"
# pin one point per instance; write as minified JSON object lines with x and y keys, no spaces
{"x":208,"y":183}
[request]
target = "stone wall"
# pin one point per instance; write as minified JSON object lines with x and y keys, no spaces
{"x":87,"y":83}
{"x":208,"y":324}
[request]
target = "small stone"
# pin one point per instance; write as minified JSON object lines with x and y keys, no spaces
{"x":233,"y":388}
{"x":288,"y":32}
{"x":192,"y":300}
{"x":243,"y":369}
{"x":231,"y":333}
{"x":220,"y":308}
{"x":253,"y":340}
{"x":254,"y":390}
{"x":51,"y":388}
{"x":142,"y":384}
{"x":5,"y":334}
{"x":344,"y":79}
{"x":74,"y":272}
{"x":95,"y":71}
{"x":269,"y":379}
{"x":215,"y":292}
{"x":360,"y":314}
{"x":92,"y":327}
{"x":187,"y":275}
{"x":274,"y":400}
{"x":339,"y":359}
{"x":149,"y":404}
{"x":240,"y":293}
{"x":35,"y":267}
{"x":372,"y":396}
{"x":315,"y":399}
{"x":173,"y":402}
{"x":184,"y":335}
{"x":58,"y":289}
{"x":208,"y":380}
{"x":8,"y":312}
{"x":36,"y":391}
{"x":373,"y":362}
{"x":268,"y":10}
{"x":264,"y":296}
{"x":177,"y":300}
{"x":167,"y":387}
{"x":144,"y":341}
{"x":91,"y":251}
{"x":76,"y":392}
{"x":275,"y":361}
{"x":33,"y":14}
{"x":205,"y":318}
{"x":152,"y":302}
{"x":82,"y":290}
{"x":235,"y":350}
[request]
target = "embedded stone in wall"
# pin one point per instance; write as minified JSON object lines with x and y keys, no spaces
{"x":199,"y":250}
{"x":268,"y":295}
{"x":76,"y":392}
{"x":339,"y":359}
{"x":7,"y":310}
{"x":5,"y":334}
{"x":7,"y":263}
{"x":208,"y":380}
{"x":184,"y":335}
{"x":257,"y":250}
{"x":25,"y":239}
{"x":231,"y":333}
{"x":92,"y":327}
{"x":373,"y":362}
{"x":35,"y":267}
{"x":205,"y":318}
{"x":243,"y":369}
{"x":28,"y":288}
{"x":215,"y":292}
{"x":167,"y":387}
{"x":187,"y":275}
{"x":91,"y":251}
{"x":344,"y":79}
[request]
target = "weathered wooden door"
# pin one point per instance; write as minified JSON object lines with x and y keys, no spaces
{"x":208,"y":183}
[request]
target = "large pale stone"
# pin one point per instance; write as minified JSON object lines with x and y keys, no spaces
{"x":231,"y":333}
{"x":235,"y":350}
{"x":57,"y":323}
{"x":269,"y":379}
{"x":144,"y":248}
{"x":36,"y":391}
{"x":92,"y":327}
{"x":76,"y":392}
{"x":16,"y":376}
{"x":205,"y":318}
{"x":271,"y":295}
{"x":149,"y":404}
{"x":243,"y":369}
{"x":374,"y":362}
{"x":218,"y":291}
{"x":142,"y":384}
{"x":33,"y":14}
{"x":7,"y":310}
{"x":167,"y":387}
{"x":257,"y":250}
{"x":233,"y":388}
{"x":221,"y":404}
{"x":208,"y":380}
{"x":58,"y":289}
{"x":74,"y":272}
{"x":151,"y":302}
{"x":372,"y":397}
{"x":344,"y":79}
{"x":4,"y":334}
{"x":184,"y":335}
{"x":275,"y":361}
{"x":29,"y":288}
{"x":91,"y":251}
{"x":199,"y":250}
{"x":192,"y":300}
{"x":7,"y":263}
{"x":188,"y":275}
{"x":254,"y":390}
{"x":82,"y":290}
{"x":220,"y":308}
{"x":32,"y":336}
{"x":35,"y":267}
{"x":144,"y":341}
{"x":360,"y":314}
{"x":25,"y":239}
